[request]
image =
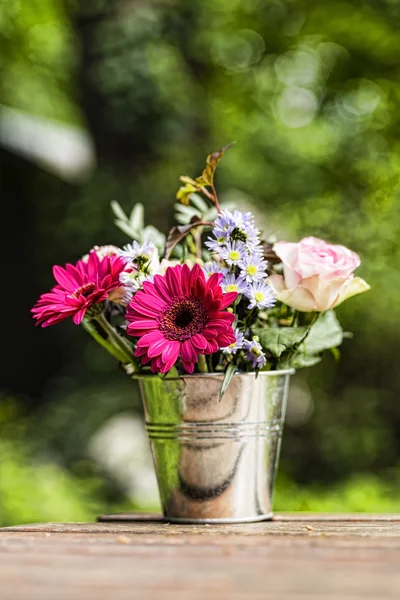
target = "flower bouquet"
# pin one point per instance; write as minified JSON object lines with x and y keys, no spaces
{"x":212,"y":321}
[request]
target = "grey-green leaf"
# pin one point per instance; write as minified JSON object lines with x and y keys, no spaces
{"x":324,"y":334}
{"x":280,"y":339}
{"x":229,"y":373}
{"x":199,"y":202}
{"x":136,"y":217}
{"x":305,"y":360}
{"x":118,"y":211}
{"x":126,"y":227}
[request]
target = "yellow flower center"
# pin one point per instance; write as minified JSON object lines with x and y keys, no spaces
{"x":232,"y":287}
{"x":251,"y":270}
{"x":234,"y":255}
{"x":259,"y":296}
{"x":256,"y":351}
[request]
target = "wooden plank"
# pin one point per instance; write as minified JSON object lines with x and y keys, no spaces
{"x":320,"y":557}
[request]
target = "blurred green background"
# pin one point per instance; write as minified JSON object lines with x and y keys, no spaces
{"x":105,"y":100}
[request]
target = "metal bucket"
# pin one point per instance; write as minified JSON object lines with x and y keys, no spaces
{"x":216,"y":461}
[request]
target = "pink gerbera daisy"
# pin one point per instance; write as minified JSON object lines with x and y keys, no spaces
{"x":79,"y":288}
{"x":180,"y":314}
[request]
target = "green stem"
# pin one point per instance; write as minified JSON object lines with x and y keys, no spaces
{"x":202,"y":364}
{"x":111,"y":340}
{"x":315,"y":318}
{"x":104,"y":342}
{"x":117,"y":340}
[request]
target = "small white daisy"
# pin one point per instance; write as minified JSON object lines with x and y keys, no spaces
{"x":252,"y":267}
{"x":233,"y":252}
{"x":235,"y":346}
{"x":260,"y":295}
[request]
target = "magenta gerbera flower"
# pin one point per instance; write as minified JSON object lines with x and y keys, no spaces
{"x":182,"y":315}
{"x":79,"y":287}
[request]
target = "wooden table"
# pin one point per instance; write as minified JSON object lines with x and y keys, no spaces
{"x":294,"y":556}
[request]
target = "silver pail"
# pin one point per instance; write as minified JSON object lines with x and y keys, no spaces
{"x":215,"y":460}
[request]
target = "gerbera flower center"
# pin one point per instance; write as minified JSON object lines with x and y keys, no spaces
{"x":85,"y":290}
{"x":185,"y":317}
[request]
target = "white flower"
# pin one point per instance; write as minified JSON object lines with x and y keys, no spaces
{"x":252,"y":267}
{"x":143,"y":256}
{"x":214,"y":267}
{"x":260,"y":295}
{"x":235,"y":346}
{"x":233,"y":252}
{"x":230,"y":283}
{"x":102,"y":252}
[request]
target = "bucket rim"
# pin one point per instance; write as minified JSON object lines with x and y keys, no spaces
{"x":251,"y":374}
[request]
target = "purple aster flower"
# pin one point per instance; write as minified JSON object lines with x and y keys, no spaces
{"x":227,"y":221}
{"x":261,"y":295}
{"x":231,"y":283}
{"x":254,"y":354}
{"x":214,"y":267}
{"x":235,"y":346}
{"x":239,"y":226}
{"x":252,"y":267}
{"x":215,"y":245}
{"x":233,"y":252}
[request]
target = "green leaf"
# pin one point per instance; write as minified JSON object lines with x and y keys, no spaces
{"x":324,"y":334}
{"x":278,"y":340}
{"x":212,"y":160}
{"x":118,"y":211}
{"x":229,"y":373}
{"x":136,"y":217}
{"x":186,"y":190}
{"x":206,"y":178}
{"x":300,"y":360}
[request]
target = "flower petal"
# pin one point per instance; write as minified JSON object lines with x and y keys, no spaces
{"x":354,"y":286}
{"x":157,"y":348}
{"x":173,"y":277}
{"x":78,"y":317}
{"x":188,"y":366}
{"x":188,"y":352}
{"x":171,"y":352}
{"x":228,"y":299}
{"x":64,"y":278}
{"x":150,"y":338}
{"x":199,"y":341}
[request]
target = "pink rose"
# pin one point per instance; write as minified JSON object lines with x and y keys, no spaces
{"x":317,"y":276}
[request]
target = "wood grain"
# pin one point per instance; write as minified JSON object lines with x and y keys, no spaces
{"x":135,"y":556}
